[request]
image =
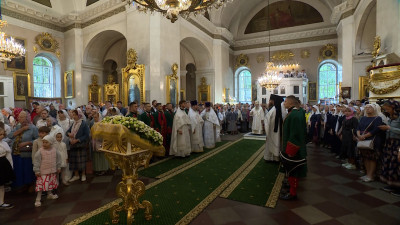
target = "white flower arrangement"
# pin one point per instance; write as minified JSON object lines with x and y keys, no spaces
{"x":136,"y":126}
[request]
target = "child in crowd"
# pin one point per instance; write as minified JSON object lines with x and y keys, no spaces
{"x":37,"y":144}
{"x":46,"y":165}
{"x":61,"y":147}
{"x":7,"y":173}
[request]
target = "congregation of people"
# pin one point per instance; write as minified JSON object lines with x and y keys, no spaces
{"x":46,"y":146}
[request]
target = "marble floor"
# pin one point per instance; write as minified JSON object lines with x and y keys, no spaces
{"x":329,"y":195}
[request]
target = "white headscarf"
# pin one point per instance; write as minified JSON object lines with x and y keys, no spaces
{"x":49,"y":138}
{"x":374,"y":107}
{"x":317,"y":108}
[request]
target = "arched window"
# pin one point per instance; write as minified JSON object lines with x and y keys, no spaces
{"x":243,"y":86}
{"x":45,"y":82}
{"x":328,"y":82}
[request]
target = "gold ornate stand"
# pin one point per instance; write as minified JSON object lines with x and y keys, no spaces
{"x":129,"y":158}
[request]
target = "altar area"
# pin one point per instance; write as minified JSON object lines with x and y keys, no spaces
{"x":289,"y":86}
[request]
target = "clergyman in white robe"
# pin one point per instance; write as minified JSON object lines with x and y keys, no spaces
{"x":272,"y":146}
{"x":211,"y":125}
{"x":180,"y":139}
{"x":258,"y":119}
{"x":196,"y":136}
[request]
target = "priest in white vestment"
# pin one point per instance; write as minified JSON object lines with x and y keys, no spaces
{"x":273,"y":126}
{"x":180,"y":137}
{"x":196,"y":134}
{"x":211,"y":125}
{"x":258,"y":118}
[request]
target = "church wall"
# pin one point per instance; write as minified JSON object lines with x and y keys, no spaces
{"x":20,"y":31}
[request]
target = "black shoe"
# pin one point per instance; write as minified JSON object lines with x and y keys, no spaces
{"x":395,"y":193}
{"x":6,"y":206}
{"x":287,"y":196}
{"x":388,"y":188}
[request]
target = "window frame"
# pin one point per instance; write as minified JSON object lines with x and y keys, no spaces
{"x":53,"y":79}
{"x":336,"y":66}
{"x":238,"y":75}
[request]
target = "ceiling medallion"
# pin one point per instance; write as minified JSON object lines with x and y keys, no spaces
{"x":47,"y":42}
{"x":329,"y":51}
{"x":260,"y":58}
{"x":171,"y":9}
{"x":305,"y":54}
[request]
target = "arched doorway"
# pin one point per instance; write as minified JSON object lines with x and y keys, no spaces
{"x":195,"y":63}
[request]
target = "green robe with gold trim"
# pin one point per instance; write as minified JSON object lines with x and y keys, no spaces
{"x":294,"y":139}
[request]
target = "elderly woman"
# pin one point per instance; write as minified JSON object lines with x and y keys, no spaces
{"x":368,"y":129}
{"x":79,"y":138}
{"x":22,"y":137}
{"x":391,"y":155}
{"x":9,"y":119}
{"x":100,"y":163}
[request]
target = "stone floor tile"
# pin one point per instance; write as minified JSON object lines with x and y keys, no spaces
{"x":391,"y":210}
{"x":382,"y":195}
{"x":288,"y":217}
{"x":248,"y":211}
{"x":344,"y":190}
{"x":311,"y":197}
{"x":50,"y":220}
{"x":62,"y":209}
{"x":71,"y":217}
{"x":354,"y":219}
{"x":102,"y":179}
{"x":331,"y":164}
{"x":332,"y":209}
{"x":330,"y":222}
{"x":311,"y":214}
{"x":203,"y":218}
{"x":20,"y":222}
{"x":339,"y":179}
{"x":368,"y":200}
{"x":378,"y":217}
{"x":86,"y":206}
{"x":359,"y":186}
{"x":223,"y":215}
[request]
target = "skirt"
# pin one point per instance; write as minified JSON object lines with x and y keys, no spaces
{"x":77,"y":158}
{"x":7,"y":174}
{"x":390,"y":165}
{"x":100,"y":163}
{"x":46,"y":182}
{"x":23,"y":169}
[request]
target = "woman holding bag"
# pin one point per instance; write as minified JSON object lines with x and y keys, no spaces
{"x":367,"y":131}
{"x":391,"y":161}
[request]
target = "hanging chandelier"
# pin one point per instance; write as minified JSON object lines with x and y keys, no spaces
{"x":270,"y":78}
{"x":9,"y":49}
{"x":172,"y":8}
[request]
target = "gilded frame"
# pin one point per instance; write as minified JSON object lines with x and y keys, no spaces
{"x":133,"y":70}
{"x":175,"y":78}
{"x":312,"y":89}
{"x":22,"y":86}
{"x":111,"y":90}
{"x":363,"y":82}
{"x":183,"y":94}
{"x":345,"y":92}
{"x":204,"y":91}
{"x":20,"y":67}
{"x":47,"y":42}
{"x":69,"y":84}
{"x":94,"y":90}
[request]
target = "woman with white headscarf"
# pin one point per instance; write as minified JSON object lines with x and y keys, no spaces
{"x":79,"y":138}
{"x":368,"y":129}
{"x":8,"y":115}
{"x":315,"y":125}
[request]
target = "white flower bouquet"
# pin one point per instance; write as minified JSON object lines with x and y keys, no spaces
{"x":137,"y":127}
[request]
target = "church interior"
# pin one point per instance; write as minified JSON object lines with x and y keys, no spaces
{"x":90,"y":53}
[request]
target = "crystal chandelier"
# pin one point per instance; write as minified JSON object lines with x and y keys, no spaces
{"x":172,"y":8}
{"x":9,"y":49}
{"x":270,"y":79}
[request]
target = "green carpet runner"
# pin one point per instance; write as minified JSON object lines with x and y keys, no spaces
{"x":159,"y":169}
{"x":178,"y":198}
{"x":255,"y":184}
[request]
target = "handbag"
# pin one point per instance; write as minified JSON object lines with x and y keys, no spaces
{"x":366,"y":144}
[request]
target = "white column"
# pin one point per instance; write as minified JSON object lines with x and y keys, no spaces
{"x":221,"y":65}
{"x":73,"y":61}
{"x":346,"y":39}
{"x":388,"y":25}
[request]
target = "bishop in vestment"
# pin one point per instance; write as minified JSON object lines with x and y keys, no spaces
{"x":196,"y":134}
{"x":258,"y":118}
{"x":211,"y":125}
{"x":180,"y":140}
{"x":273,"y":127}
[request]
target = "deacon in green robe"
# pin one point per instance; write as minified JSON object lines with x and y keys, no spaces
{"x":147,"y":116}
{"x":169,"y":116}
{"x":294,"y":150}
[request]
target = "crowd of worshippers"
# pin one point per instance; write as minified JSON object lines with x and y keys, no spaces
{"x":49,"y":145}
{"x":366,"y":137}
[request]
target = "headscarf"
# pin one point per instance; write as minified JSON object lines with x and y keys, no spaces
{"x":352,"y":115}
{"x":317,"y":108}
{"x":8,"y":110}
{"x":81,"y":115}
{"x":49,"y":138}
{"x":17,"y":111}
{"x":374,"y":107}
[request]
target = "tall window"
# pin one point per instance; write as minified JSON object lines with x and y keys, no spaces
{"x":328,"y":81}
{"x":44,"y":81}
{"x":243,"y":86}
